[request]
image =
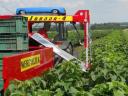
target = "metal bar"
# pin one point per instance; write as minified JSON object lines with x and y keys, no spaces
{"x":40,"y":39}
{"x":87,"y":41}
{"x":56,"y":49}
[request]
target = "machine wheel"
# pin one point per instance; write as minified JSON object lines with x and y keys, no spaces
{"x":22,"y":12}
{"x":2,"y":92}
{"x":58,"y":59}
{"x":55,"y":11}
{"x":68,"y":48}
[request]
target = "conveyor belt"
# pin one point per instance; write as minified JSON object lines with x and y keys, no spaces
{"x":40,"y":39}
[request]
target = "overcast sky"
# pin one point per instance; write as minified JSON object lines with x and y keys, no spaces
{"x":101,"y":10}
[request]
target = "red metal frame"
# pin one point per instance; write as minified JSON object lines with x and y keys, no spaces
{"x":5,"y":17}
{"x":12,"y":65}
{"x":81,"y":16}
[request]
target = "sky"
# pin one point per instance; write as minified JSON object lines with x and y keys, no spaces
{"x":102,"y":11}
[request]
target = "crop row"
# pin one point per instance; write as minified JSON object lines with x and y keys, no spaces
{"x":97,"y":34}
{"x":107,"y":77}
{"x":72,"y":36}
{"x":109,"y":58}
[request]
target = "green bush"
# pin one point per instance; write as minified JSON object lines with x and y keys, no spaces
{"x":107,"y":77}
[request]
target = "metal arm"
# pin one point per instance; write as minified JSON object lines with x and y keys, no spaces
{"x":78,"y":33}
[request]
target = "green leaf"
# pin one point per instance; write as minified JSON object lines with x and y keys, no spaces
{"x":118,"y":93}
{"x":59,"y":92}
{"x":93,"y":76}
{"x":73,"y":90}
{"x":17,"y":93}
{"x":44,"y":93}
{"x":44,"y":83}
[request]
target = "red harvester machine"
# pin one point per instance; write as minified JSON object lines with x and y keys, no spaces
{"x":39,"y":56}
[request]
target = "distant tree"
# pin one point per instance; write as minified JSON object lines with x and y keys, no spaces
{"x":109,"y":26}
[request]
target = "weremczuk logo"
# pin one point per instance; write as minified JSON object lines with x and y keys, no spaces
{"x":49,"y":18}
{"x":30,"y":62}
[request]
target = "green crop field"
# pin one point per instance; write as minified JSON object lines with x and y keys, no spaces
{"x":64,"y":48}
{"x":108,"y":75}
{"x":72,"y":36}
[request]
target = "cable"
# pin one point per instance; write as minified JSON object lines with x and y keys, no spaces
{"x":78,"y":34}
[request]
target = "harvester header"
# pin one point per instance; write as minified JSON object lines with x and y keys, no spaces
{"x":80,"y":16}
{"x":26,"y":53}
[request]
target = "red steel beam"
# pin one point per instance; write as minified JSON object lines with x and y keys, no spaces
{"x":27,"y":65}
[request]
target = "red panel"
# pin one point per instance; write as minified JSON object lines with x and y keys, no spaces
{"x":12,"y":65}
{"x":78,"y":18}
{"x":82,"y":16}
{"x":31,"y":48}
{"x":85,"y":35}
{"x":5,"y":16}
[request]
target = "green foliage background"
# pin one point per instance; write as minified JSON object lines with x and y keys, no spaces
{"x":107,"y":77}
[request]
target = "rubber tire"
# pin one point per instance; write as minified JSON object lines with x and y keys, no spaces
{"x":2,"y":92}
{"x":22,"y":12}
{"x":69,"y":49}
{"x":55,"y":11}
